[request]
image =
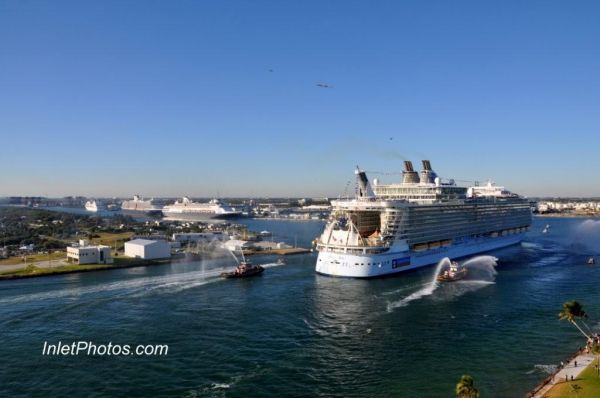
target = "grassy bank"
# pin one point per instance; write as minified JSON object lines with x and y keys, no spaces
{"x":110,"y":239}
{"x":588,"y":381}
{"x":119,"y":262}
{"x":32,"y":270}
{"x":60,"y":255}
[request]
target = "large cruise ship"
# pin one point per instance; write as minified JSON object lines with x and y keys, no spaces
{"x":388,"y":229}
{"x":186,"y":208}
{"x":95,"y":206}
{"x":140,"y":205}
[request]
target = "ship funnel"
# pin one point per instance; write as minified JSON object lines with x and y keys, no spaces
{"x":427,"y":174}
{"x":364,"y":188}
{"x":409,"y":175}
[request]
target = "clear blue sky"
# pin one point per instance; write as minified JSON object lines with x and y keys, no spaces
{"x":107,"y":98}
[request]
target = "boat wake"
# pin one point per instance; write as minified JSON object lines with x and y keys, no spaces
{"x":546,"y":369}
{"x":426,"y":290}
{"x":270,"y":265}
{"x":135,"y":287}
{"x":482,"y":272}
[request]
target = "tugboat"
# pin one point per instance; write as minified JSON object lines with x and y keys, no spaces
{"x":591,"y":261}
{"x":453,"y":273}
{"x":244,"y":269}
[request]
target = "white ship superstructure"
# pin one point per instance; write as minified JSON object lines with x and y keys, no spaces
{"x":94,"y":205}
{"x":392,"y":228}
{"x":139,"y":204}
{"x":213,"y":209}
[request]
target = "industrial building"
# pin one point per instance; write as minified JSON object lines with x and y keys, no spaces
{"x":147,"y":249}
{"x":84,"y":253}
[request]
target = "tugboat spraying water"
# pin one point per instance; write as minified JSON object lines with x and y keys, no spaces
{"x":244,"y":269}
{"x":454,"y":273}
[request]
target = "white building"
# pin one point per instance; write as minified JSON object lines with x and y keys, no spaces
{"x":84,"y":253}
{"x":147,"y":249}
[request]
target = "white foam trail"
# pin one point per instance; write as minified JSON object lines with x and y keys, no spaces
{"x":270,"y":265}
{"x":182,"y":281}
{"x":547,"y":369}
{"x":399,"y":290}
{"x":427,"y":290}
{"x":531,"y":245}
{"x":481,"y":268}
{"x":137,"y":287}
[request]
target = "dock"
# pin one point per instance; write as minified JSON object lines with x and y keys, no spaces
{"x":277,"y":252}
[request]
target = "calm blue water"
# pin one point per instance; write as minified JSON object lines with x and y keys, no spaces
{"x":294,"y":333}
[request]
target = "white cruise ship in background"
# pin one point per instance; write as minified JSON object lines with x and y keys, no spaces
{"x":138,"y":204}
{"x":186,"y":208}
{"x":94,"y":206}
{"x":388,"y":229}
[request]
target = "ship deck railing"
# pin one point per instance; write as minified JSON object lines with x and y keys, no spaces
{"x":356,"y":249}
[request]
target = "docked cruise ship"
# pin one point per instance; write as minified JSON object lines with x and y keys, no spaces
{"x":388,"y":229}
{"x":140,"y":205}
{"x":186,"y":208}
{"x":94,"y":205}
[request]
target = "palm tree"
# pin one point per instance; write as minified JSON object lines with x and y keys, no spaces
{"x":573,"y":310}
{"x":465,"y":388}
{"x":575,"y":388}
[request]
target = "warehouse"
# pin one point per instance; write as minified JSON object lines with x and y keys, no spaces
{"x":147,"y":249}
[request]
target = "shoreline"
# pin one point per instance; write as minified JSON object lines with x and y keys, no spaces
{"x":569,"y":372}
{"x":567,"y":215}
{"x":54,"y":271}
{"x":93,"y":267}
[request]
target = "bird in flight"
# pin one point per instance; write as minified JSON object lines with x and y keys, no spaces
{"x":323,"y":85}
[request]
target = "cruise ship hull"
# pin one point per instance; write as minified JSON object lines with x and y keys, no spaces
{"x":376,"y":265}
{"x":199,"y":216}
{"x":137,"y":212}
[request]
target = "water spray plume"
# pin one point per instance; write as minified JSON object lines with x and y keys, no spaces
{"x":482,"y":272}
{"x":587,"y":237}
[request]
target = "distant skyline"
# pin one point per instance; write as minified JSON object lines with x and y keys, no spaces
{"x":221,"y":98}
